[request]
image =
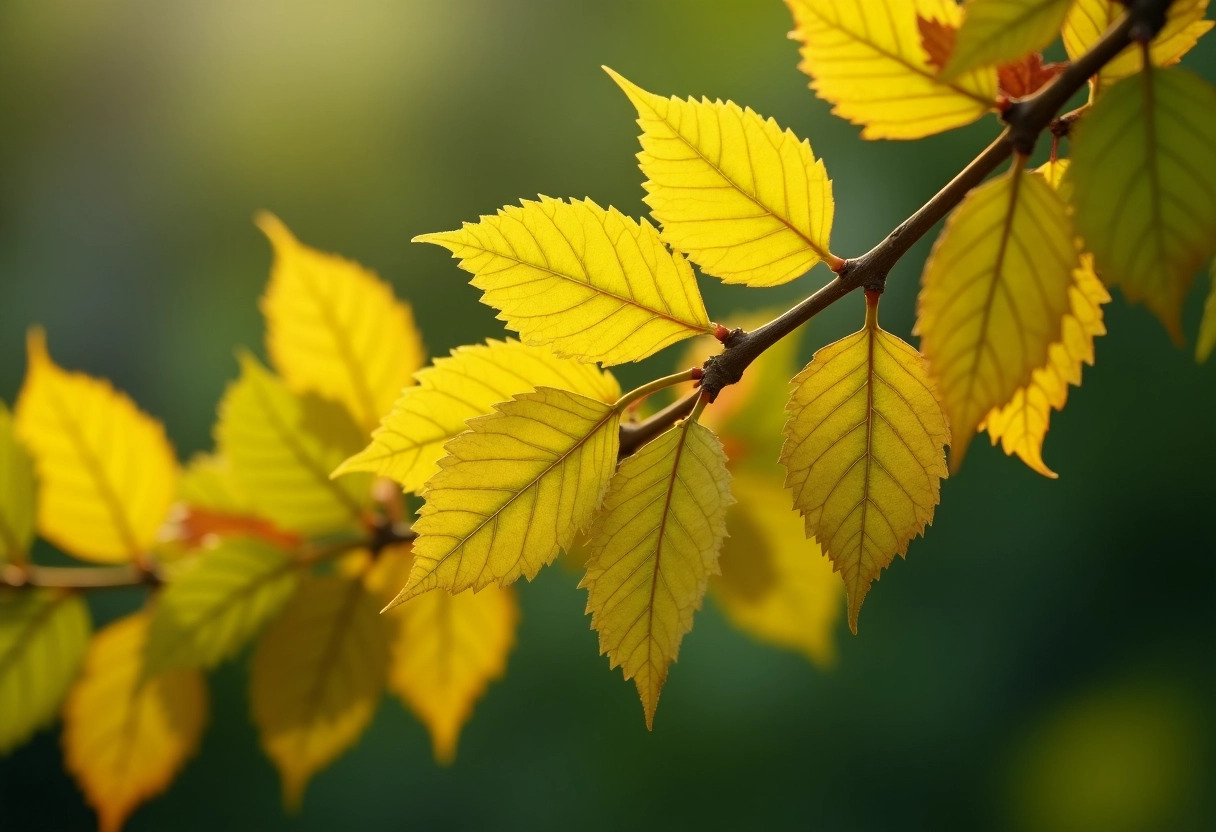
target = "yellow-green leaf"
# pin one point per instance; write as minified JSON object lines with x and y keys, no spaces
{"x":445,"y":649}
{"x":16,"y":494}
{"x":653,"y":549}
{"x":125,"y":737}
{"x":409,"y":443}
{"x":1089,"y":19}
{"x":106,"y":473}
{"x":775,"y":585}
{"x":1002,"y":31}
{"x":994,"y":295}
{"x":213,"y":606}
{"x":747,"y":201}
{"x":43,"y":635}
{"x":1207,"y":326}
{"x":513,"y":491}
{"x":208,"y":482}
{"x":335,"y":329}
{"x":1144,"y":177}
{"x":864,"y":452}
{"x":593,"y":284}
{"x":866,"y":58}
{"x":281,"y":448}
{"x":317,"y":677}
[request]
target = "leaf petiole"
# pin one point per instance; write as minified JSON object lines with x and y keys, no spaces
{"x":655,"y":386}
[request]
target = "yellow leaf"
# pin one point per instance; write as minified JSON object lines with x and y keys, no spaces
{"x":747,"y":201}
{"x":775,"y":585}
{"x":16,"y":494}
{"x":994,"y":295}
{"x":1002,"y":31}
{"x":445,"y":648}
{"x":1144,"y":186}
{"x":335,"y":329}
{"x":106,"y":473}
{"x":864,"y":452}
{"x":125,"y":737}
{"x":1089,"y":19}
{"x":653,"y":549}
{"x":281,"y":452}
{"x":1207,"y":326}
{"x":43,"y":635}
{"x":514,"y":489}
{"x":409,"y":443}
{"x":866,"y":58}
{"x":213,"y":607}
{"x":317,"y":677}
{"x":208,"y":482}
{"x":594,"y":284}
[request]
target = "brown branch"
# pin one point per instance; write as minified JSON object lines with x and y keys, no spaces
{"x":636,"y":435}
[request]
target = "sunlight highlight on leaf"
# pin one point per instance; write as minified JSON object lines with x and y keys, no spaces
{"x":1002,"y":31}
{"x":16,"y":494}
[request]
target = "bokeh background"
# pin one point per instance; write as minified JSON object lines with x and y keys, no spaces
{"x":1045,"y":661}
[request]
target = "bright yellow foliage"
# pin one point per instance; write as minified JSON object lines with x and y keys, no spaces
{"x":994,"y":296}
{"x":775,"y":584}
{"x":746,"y":200}
{"x":592,"y":283}
{"x":43,"y":634}
{"x":409,"y":443}
{"x":514,"y":490}
{"x":1088,"y":19}
{"x":281,"y":448}
{"x":317,"y":677}
{"x":335,"y":329}
{"x":653,"y":549}
{"x":1002,"y":31}
{"x":445,"y":648}
{"x":126,"y":737}
{"x":865,"y":452}
{"x":16,"y":494}
{"x":866,"y":58}
{"x":106,"y":473}
{"x":1207,"y":326}
{"x":1144,"y":176}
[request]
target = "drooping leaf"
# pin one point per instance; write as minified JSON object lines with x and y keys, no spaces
{"x":445,"y":648}
{"x":591,"y":283}
{"x":1207,"y":326}
{"x":16,"y":494}
{"x":864,"y":452}
{"x":43,"y":635}
{"x":775,"y":585}
{"x":652,"y":551}
{"x":125,"y":737}
{"x":1089,"y":19}
{"x":213,"y":607}
{"x":106,"y":473}
{"x":514,"y":489}
{"x":1144,"y":186}
{"x":281,"y":453}
{"x":409,"y":443}
{"x":994,"y":295}
{"x":317,"y":677}
{"x":746,"y":200}
{"x":1001,"y":31}
{"x":866,"y":58}
{"x":335,"y":329}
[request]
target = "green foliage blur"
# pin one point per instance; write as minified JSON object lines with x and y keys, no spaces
{"x":1046,"y":661}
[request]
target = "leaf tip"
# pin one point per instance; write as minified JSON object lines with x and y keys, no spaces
{"x":274,"y":228}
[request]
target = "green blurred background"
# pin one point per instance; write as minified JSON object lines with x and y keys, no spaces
{"x":1047,"y":661}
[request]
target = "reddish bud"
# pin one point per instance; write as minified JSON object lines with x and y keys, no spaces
{"x":697,"y":373}
{"x":721,"y":332}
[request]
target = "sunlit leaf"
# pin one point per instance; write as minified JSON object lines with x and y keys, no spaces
{"x":866,"y":58}
{"x":335,"y":329}
{"x":1207,"y":326}
{"x":409,"y":443}
{"x":318,"y":674}
{"x":106,"y":473}
{"x":515,"y":489}
{"x":16,"y":493}
{"x":1001,"y":31}
{"x":125,"y":737}
{"x":652,"y":551}
{"x":592,"y":283}
{"x":43,"y":635}
{"x":747,"y":201}
{"x":445,"y":648}
{"x":994,"y":295}
{"x":1144,"y":177}
{"x":864,"y":452}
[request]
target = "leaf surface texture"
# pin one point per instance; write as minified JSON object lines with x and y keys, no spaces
{"x":1002,"y":31}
